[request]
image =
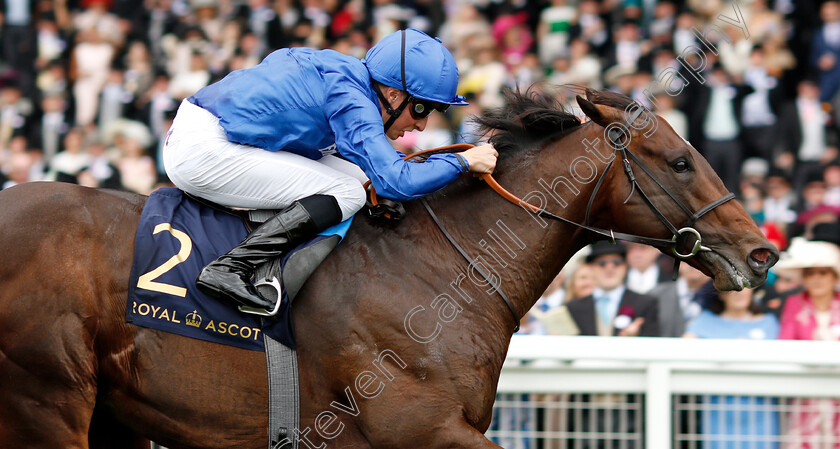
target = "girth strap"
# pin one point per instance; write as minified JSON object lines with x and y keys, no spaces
{"x":469,"y":259}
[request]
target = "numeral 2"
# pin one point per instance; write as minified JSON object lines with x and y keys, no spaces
{"x":147,"y":281}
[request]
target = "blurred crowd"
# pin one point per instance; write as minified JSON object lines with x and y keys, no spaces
{"x":632,"y":290}
{"x":88,"y":88}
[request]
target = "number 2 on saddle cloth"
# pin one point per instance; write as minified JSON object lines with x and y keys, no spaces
{"x":177,"y":236}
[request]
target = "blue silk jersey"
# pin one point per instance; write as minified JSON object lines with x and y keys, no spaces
{"x":316,"y":102}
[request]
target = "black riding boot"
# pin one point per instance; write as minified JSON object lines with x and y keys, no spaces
{"x":230,"y":275}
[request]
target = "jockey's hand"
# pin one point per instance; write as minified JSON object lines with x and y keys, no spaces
{"x":482,"y":159}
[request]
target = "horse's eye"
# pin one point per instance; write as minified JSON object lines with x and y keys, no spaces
{"x":680,"y":166}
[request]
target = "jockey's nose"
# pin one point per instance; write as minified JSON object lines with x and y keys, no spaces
{"x":421,"y":124}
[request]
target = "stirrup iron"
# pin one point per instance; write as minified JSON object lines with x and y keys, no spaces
{"x":273,"y":282}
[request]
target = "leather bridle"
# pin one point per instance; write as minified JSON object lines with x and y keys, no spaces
{"x":615,"y":134}
{"x":673,"y":244}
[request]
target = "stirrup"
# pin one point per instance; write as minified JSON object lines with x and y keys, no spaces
{"x":261,"y":311}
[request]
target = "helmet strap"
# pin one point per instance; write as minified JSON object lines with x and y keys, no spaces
{"x":395,"y":113}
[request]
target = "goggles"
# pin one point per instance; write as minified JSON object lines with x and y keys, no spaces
{"x":421,"y":109}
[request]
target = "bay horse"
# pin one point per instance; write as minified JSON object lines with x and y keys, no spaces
{"x":400,"y":342}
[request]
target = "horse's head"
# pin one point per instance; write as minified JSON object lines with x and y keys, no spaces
{"x":672,"y":184}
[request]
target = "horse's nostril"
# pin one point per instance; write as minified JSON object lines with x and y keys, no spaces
{"x":762,"y":256}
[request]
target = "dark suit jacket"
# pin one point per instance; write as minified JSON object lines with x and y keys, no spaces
{"x":697,"y":106}
{"x":644,"y":306}
{"x":671,"y":321}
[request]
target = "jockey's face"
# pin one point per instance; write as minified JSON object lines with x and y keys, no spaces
{"x":405,"y":122}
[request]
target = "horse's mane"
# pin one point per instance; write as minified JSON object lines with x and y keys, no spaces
{"x":534,"y":116}
{"x":526,"y":117}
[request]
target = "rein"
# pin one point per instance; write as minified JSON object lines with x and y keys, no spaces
{"x":615,"y":140}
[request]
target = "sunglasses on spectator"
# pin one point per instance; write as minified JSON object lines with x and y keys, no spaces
{"x":421,"y":109}
{"x":817,"y":271}
{"x":616,"y":261}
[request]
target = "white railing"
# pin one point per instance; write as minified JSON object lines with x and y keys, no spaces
{"x":660,"y":368}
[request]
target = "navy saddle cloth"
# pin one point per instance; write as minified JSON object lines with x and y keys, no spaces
{"x":177,"y":236}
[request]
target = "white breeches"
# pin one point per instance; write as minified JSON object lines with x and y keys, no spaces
{"x":200,"y":160}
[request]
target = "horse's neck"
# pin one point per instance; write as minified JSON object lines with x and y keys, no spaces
{"x":525,"y":251}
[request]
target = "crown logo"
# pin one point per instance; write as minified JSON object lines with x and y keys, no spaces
{"x":193,"y":319}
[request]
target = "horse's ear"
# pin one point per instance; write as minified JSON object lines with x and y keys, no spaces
{"x":592,"y":111}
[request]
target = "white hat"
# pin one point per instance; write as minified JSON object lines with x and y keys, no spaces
{"x":807,"y":254}
{"x":755,"y":166}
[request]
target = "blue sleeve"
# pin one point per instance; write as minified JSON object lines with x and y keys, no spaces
{"x":359,"y":136}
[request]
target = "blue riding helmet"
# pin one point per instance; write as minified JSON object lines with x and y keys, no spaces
{"x":429,"y":68}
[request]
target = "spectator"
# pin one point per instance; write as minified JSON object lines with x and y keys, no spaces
{"x":757,"y":114}
{"x":752,"y":198}
{"x":16,"y":112}
{"x":583,"y":67}
{"x":554,"y":29}
{"x":786,"y":283}
{"x":593,"y":28}
{"x":188,"y":82}
{"x":513,"y":37}
{"x":629,"y":48}
{"x":662,"y":26}
{"x":813,"y":314}
{"x":17,"y":20}
{"x":716,"y":118}
{"x":467,"y":25}
{"x":831,"y":176}
{"x":575,"y":281}
{"x":678,"y":301}
{"x":136,"y":168}
{"x":100,"y":172}
{"x":71,"y":160}
{"x":96,"y":17}
{"x":825,"y":53}
{"x":674,"y":117}
{"x":735,"y":52}
{"x":53,"y":125}
{"x":580,"y":283}
{"x":485,"y":77}
{"x":644,"y":272}
{"x":20,"y":169}
{"x":51,"y":41}
{"x":803,"y":125}
{"x":732,"y":315}
{"x":780,"y":200}
{"x":617,"y":310}
{"x":90,"y":64}
{"x":113,"y":99}
{"x":727,"y":421}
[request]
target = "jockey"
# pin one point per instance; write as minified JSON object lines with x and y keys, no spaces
{"x":301,"y":132}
